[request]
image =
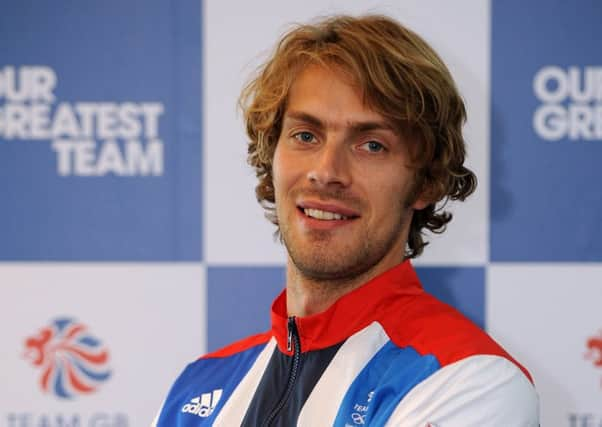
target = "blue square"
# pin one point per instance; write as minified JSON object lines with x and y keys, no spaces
{"x":60,"y":205}
{"x":546,"y":132}
{"x":239,"y":301}
{"x":461,"y":287}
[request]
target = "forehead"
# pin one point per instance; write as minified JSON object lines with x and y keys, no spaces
{"x":330,"y":93}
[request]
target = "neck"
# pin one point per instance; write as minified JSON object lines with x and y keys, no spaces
{"x":306,"y":296}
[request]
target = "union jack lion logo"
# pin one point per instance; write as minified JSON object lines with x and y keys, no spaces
{"x":594,"y":351}
{"x":73,"y":361}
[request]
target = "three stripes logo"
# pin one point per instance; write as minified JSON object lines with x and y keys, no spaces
{"x":204,"y":404}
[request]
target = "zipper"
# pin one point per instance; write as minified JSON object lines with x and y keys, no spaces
{"x":292,"y":341}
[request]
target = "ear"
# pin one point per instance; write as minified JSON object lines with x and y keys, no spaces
{"x":424,"y":194}
{"x":420,"y":203}
{"x":424,"y":197}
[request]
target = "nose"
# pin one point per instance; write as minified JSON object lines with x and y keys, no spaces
{"x":330,"y":166}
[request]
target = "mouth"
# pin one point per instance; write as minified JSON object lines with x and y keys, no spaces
{"x":323,"y":215}
{"x":326,"y":213}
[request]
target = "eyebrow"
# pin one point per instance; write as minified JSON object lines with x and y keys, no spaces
{"x":356,"y":127}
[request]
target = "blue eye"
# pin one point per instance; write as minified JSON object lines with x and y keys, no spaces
{"x":304,"y":137}
{"x":373,"y":146}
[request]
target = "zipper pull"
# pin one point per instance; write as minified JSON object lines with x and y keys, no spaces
{"x":290,"y":328}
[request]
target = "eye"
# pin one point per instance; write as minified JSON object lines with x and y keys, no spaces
{"x":304,"y":136}
{"x":373,"y":147}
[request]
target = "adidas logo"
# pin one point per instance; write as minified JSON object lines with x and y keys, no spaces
{"x":204,"y":404}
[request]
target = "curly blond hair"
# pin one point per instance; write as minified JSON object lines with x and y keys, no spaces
{"x":400,"y":77}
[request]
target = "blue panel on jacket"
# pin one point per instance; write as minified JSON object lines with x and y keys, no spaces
{"x":204,"y":387}
{"x":382,"y":384}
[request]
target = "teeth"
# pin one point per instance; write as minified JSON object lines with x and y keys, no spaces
{"x":323,"y":215}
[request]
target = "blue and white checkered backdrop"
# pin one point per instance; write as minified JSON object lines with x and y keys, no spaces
{"x":131,"y":241}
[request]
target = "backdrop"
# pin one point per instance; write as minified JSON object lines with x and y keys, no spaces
{"x":131,"y":242}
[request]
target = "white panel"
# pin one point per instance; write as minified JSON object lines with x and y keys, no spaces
{"x":239,"y":35}
{"x":545,"y":315}
{"x":323,"y":403}
{"x":150,"y":318}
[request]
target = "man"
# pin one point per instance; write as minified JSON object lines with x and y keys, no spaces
{"x":355,"y":136}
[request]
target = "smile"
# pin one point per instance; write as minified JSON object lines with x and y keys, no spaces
{"x":323,"y":215}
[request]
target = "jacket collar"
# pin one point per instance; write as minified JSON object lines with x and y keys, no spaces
{"x":350,"y":313}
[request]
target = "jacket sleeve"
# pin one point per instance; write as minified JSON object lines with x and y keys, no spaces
{"x":477,"y":391}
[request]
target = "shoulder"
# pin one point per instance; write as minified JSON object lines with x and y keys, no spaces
{"x":215,"y":374}
{"x":435,"y":328}
{"x":242,"y":352}
{"x":239,"y":346}
{"x":475,"y":381}
{"x":475,"y":391}
{"x":221,"y":362}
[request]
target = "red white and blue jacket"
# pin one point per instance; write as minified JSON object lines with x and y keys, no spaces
{"x":385,"y":354}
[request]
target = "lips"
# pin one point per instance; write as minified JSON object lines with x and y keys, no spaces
{"x":323,"y":215}
{"x":326,"y":211}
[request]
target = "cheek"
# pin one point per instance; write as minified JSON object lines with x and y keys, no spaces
{"x":286,"y":170}
{"x":390,"y":194}
{"x":277,"y":168}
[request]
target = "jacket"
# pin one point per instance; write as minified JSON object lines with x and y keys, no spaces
{"x":385,"y":354}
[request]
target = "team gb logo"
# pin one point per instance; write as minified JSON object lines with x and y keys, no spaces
{"x":594,"y":351}
{"x":72,"y":361}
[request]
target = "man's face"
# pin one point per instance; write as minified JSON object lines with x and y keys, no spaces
{"x":341,"y":181}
